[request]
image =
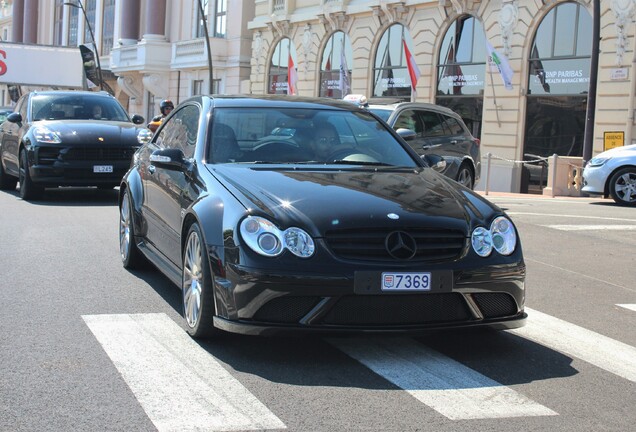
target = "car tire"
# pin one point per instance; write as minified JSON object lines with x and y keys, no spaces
{"x":622,"y":186}
{"x":131,"y":256}
{"x":7,"y":182}
{"x":465,"y":176}
{"x":28,"y":190}
{"x":197,"y":287}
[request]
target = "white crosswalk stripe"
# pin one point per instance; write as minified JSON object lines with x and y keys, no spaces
{"x":592,"y":227}
{"x":601,"y":351}
{"x":179,"y":385}
{"x":452,"y":389}
{"x":182,"y":387}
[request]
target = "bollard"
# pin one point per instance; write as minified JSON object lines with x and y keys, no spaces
{"x":488,"y":157}
{"x":555,"y":161}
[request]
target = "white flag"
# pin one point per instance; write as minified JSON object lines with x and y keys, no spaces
{"x":344,"y":74}
{"x":500,"y":62}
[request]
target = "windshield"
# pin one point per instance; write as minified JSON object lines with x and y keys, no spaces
{"x":384,"y":114}
{"x":76,"y":107}
{"x":283,"y":135}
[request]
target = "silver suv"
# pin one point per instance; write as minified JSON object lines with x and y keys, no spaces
{"x":435,"y":130}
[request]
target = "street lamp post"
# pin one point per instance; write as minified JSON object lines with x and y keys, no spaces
{"x":90,"y":30}
{"x":207,"y":44}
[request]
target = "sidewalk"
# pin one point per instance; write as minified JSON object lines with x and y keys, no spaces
{"x":492,"y":194}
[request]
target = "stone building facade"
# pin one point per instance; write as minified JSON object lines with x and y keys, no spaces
{"x":155,"y":49}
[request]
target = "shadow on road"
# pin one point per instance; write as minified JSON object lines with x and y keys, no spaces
{"x":73,"y":196}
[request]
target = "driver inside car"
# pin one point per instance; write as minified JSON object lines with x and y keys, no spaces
{"x":326,"y":141}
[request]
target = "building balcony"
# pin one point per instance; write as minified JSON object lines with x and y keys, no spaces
{"x":147,"y":55}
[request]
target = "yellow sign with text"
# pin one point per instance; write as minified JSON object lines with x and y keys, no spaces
{"x":613,"y":139}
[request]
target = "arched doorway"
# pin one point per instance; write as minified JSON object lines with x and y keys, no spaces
{"x":558,"y":82}
{"x":335,"y":73}
{"x":279,"y":67}
{"x":390,"y":72}
{"x":461,"y":71}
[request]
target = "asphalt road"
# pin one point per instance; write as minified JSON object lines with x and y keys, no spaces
{"x":86,"y":345}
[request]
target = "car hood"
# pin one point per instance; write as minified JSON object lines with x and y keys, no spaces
{"x":623,"y":151}
{"x":320,"y":200}
{"x":88,"y":132}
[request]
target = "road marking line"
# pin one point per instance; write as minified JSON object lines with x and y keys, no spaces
{"x":580,"y":274}
{"x":601,"y":351}
{"x":570,"y":216}
{"x":592,"y":227}
{"x":628,"y":306}
{"x":179,"y":385}
{"x":447,"y":386}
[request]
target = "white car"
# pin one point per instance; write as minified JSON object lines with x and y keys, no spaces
{"x":613,"y":172}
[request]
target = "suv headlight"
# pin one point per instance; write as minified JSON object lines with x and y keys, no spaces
{"x":45,"y":135}
{"x":264,"y":238}
{"x":501,"y":236}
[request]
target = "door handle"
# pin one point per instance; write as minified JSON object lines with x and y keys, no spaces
{"x":453,"y":142}
{"x":151,"y":169}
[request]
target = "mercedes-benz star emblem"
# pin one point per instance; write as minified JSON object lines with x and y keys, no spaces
{"x":400,"y":245}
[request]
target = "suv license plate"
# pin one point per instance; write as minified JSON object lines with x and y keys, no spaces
{"x":102,"y":168}
{"x":406,"y":281}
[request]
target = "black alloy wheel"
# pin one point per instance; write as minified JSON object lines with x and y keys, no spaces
{"x":7,"y":182}
{"x":28,"y":190}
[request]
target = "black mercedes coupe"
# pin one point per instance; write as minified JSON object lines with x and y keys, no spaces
{"x":335,"y":225}
{"x":66,"y":138}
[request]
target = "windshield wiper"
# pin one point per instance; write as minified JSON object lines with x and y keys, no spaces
{"x":363,"y":163}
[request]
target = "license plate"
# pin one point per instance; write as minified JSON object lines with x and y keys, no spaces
{"x":406,"y":282}
{"x":102,"y":168}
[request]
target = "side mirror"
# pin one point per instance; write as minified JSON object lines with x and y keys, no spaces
{"x":406,"y":134}
{"x":172,"y":159}
{"x":15,"y":117}
{"x":137,"y":119}
{"x":436,"y":162}
{"x":144,"y":136}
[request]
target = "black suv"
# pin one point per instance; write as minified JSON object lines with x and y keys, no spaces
{"x":435,"y":130}
{"x":66,"y":138}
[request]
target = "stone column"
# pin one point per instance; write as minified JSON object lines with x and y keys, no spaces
{"x":30,"y":22}
{"x":155,"y":20}
{"x":130,"y":22}
{"x":17,"y":19}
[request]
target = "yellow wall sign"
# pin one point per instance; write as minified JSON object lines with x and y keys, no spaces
{"x":613,"y":139}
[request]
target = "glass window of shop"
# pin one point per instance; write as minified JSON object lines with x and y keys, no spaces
{"x":73,"y":24}
{"x":558,"y":82}
{"x":58,"y":22}
{"x":335,"y":73}
{"x":90,"y":7}
{"x":390,"y":73}
{"x":278,"y":66}
{"x":108,"y":27}
{"x":461,"y":71}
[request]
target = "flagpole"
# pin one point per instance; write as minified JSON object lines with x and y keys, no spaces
{"x":494,"y":96}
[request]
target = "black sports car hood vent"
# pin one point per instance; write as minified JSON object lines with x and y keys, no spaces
{"x":323,"y":200}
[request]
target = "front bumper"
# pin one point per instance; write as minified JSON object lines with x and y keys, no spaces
{"x":78,"y":174}
{"x":594,"y":180}
{"x":261,"y":304}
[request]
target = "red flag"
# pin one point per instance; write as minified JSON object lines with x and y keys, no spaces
{"x":292,"y":77}
{"x":414,"y":71}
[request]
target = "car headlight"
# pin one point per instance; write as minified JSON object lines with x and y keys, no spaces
{"x":597,"y":161}
{"x":45,"y":135}
{"x":481,"y":241}
{"x":504,"y":237}
{"x":264,"y":238}
{"x":501,"y":236}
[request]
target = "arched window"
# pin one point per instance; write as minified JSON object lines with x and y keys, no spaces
{"x":558,"y":82}
{"x":390,"y":73}
{"x":461,"y":71}
{"x":279,"y":67}
{"x":335,"y":71}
